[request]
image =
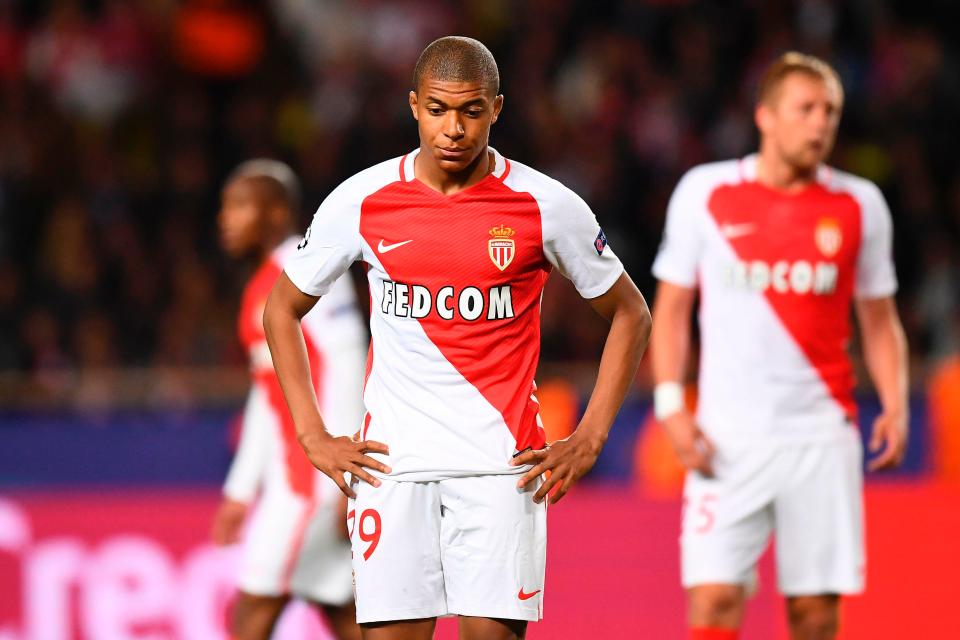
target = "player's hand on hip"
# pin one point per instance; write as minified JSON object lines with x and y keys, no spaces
{"x":338,"y":456}
{"x":228,"y":521}
{"x":567,"y":460}
{"x":691,"y":445}
{"x":889,"y":437}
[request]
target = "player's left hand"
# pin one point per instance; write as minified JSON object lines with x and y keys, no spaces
{"x":567,"y":460}
{"x":889,"y":435}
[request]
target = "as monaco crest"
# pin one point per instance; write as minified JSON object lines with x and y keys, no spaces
{"x":501,"y":246}
{"x":828,"y":237}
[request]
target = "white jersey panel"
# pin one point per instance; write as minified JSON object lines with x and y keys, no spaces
{"x":678,"y":260}
{"x":572,"y":239}
{"x":876,"y":276}
{"x":332,"y":241}
{"x":250,"y":462}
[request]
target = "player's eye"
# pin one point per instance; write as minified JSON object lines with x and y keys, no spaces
{"x":474,"y":113}
{"x":435,"y":111}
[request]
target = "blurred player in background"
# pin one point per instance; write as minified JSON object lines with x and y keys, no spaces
{"x":459,"y":241}
{"x":779,"y":245}
{"x":296,"y":543}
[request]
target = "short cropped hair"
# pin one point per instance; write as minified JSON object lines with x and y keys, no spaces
{"x":279,"y":179}
{"x":457,"y":59}
{"x":795,"y":62}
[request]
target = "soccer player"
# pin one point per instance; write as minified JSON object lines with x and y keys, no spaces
{"x":296,"y":543}
{"x":779,"y":245}
{"x":447,"y":511}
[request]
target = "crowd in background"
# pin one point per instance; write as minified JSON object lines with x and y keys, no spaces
{"x":120,"y":118}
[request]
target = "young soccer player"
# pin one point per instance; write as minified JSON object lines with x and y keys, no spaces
{"x":779,"y":245}
{"x":447,"y":511}
{"x":295,"y":543}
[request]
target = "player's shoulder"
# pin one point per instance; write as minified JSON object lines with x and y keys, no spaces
{"x":702,"y":179}
{"x":551,"y":194}
{"x":368,"y":181}
{"x":865,"y":191}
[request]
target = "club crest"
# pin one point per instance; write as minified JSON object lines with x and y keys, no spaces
{"x":502,"y":246}
{"x":828,"y":237}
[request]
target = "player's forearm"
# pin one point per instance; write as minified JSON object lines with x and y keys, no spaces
{"x":670,"y":342}
{"x":291,"y":363}
{"x":626,"y":342}
{"x":887,"y":358}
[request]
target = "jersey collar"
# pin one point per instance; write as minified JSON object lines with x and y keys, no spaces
{"x":500,"y":165}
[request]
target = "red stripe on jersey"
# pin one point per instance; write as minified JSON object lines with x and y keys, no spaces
{"x":300,"y":472}
{"x":506,"y":170}
{"x":779,"y":231}
{"x":447,"y":244}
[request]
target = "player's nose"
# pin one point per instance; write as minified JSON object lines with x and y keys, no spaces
{"x":452,"y":126}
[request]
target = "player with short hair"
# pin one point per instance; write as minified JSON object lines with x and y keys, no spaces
{"x":779,"y":246}
{"x":449,"y":519}
{"x":295,"y":544}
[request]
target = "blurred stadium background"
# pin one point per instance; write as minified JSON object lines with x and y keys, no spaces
{"x":120,"y":373}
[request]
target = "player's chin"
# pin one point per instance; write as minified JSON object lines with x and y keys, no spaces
{"x":231,"y":246}
{"x":807,"y":160}
{"x":455,"y":161}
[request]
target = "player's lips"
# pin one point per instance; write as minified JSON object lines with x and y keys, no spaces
{"x":452,"y":152}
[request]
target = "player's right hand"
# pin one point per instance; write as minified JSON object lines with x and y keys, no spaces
{"x":338,"y":456}
{"x":693,"y":447}
{"x":228,"y":521}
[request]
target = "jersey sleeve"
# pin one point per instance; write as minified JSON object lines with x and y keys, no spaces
{"x":679,"y":255}
{"x":329,"y":246}
{"x":250,"y":461}
{"x":876,"y":275}
{"x":575,"y":244}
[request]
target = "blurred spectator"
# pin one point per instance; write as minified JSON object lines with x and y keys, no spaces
{"x":120,"y":118}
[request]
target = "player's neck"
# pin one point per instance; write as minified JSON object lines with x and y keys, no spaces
{"x":775,"y":173}
{"x":427,"y":171}
{"x":273,"y":240}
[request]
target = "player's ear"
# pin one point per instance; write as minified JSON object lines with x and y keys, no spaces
{"x":412,"y":99}
{"x":762,"y":117}
{"x":278,"y":215}
{"x":497,"y":107}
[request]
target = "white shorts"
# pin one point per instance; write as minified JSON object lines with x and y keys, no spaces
{"x":810,"y":494}
{"x":294,"y":545}
{"x":473,"y":546}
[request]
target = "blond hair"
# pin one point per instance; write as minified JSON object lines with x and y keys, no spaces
{"x":795,"y":62}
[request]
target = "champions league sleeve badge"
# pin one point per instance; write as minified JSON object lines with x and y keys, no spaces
{"x":306,"y":238}
{"x":600,"y":243}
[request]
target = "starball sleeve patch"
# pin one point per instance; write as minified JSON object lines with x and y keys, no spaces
{"x":600,"y":243}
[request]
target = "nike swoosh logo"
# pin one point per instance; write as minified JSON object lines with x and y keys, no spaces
{"x":383,"y":248}
{"x":737,"y":230}
{"x":527,"y":596}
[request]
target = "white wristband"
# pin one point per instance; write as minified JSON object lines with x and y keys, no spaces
{"x":667,"y":399}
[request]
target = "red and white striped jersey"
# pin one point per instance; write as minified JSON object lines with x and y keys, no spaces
{"x":269,"y":456}
{"x":776,"y":274}
{"x":455,"y":283}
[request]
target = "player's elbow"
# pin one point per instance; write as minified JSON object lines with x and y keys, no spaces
{"x":635,"y":314}
{"x":644,"y":323}
{"x":273,"y":315}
